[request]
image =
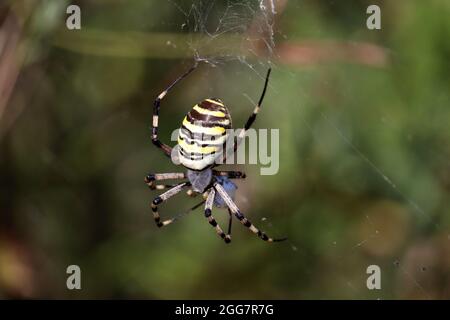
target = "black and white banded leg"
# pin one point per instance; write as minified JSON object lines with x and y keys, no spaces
{"x":230,"y":174}
{"x":230,"y":221}
{"x":163,"y":197}
{"x":156,"y":106}
{"x":235,"y":210}
{"x":151,"y":179}
{"x":252,"y":117}
{"x":212,"y":221}
{"x":248,"y":124}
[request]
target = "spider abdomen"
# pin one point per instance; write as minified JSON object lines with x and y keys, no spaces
{"x":203,"y":134}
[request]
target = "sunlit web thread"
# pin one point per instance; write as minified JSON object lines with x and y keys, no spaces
{"x":370,"y":163}
{"x":269,"y":224}
{"x":391,"y":183}
{"x":373,"y":235}
{"x":374,"y":167}
{"x":358,"y":245}
{"x":186,"y":212}
{"x":269,"y":25}
{"x":416,"y":283}
{"x":208,"y":20}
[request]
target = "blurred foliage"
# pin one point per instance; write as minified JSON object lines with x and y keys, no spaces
{"x":364,"y":158}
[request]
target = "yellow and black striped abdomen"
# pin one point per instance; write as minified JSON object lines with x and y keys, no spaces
{"x":203,"y":134}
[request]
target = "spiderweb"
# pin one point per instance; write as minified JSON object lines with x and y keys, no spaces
{"x":242,"y":31}
{"x":232,"y":30}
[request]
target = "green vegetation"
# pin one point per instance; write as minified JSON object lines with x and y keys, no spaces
{"x":364,"y":158}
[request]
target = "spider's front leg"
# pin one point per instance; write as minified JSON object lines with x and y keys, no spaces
{"x":163,"y":197}
{"x":235,"y":210}
{"x":249,"y":122}
{"x":166,"y":149}
{"x":230,"y":174}
{"x":212,"y":221}
{"x":152,"y":177}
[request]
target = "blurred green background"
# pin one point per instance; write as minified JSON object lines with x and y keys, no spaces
{"x":364,"y":148}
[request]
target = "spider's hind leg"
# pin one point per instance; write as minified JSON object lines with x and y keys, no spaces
{"x":163,"y":197}
{"x":235,"y":210}
{"x":212,"y":221}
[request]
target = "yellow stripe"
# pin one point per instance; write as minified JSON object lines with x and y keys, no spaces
{"x":215,"y":102}
{"x":209,"y":112}
{"x":219,"y":141}
{"x":205,"y":130}
{"x":195,"y":148}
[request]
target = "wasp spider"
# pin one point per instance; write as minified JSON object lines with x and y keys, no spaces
{"x":202,"y":135}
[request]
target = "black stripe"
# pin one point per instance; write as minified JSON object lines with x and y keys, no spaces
{"x":207,"y":212}
{"x":206,"y":123}
{"x":213,"y":223}
{"x":207,"y":117}
{"x":250,"y":121}
{"x":194,"y":155}
{"x":156,"y":106}
{"x":157,"y":201}
{"x":194,"y":141}
{"x":201,"y":135}
{"x":212,"y":106}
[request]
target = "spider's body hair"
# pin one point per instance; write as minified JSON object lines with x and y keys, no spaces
{"x":203,"y":134}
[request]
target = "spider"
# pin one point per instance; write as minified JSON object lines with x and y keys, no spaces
{"x":203,"y":132}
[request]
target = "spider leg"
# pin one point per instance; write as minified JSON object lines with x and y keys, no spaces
{"x":161,"y":186}
{"x":248,"y":124}
{"x":211,"y":220}
{"x":235,"y":210}
{"x":163,"y":197}
{"x":230,"y":222}
{"x":156,"y":106}
{"x":152,"y":177}
{"x":191,"y":193}
{"x":252,"y":117}
{"x":230,"y":174}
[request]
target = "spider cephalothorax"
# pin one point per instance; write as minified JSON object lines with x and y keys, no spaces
{"x":201,"y":139}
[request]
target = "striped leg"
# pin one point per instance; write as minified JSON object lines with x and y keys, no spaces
{"x":163,"y":197}
{"x":235,"y":210}
{"x":230,"y":174}
{"x":248,"y":124}
{"x":211,"y":220}
{"x":230,"y":222}
{"x":152,"y":177}
{"x":252,"y":117}
{"x":161,"y":186}
{"x":156,"y":106}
